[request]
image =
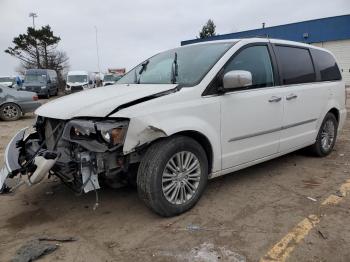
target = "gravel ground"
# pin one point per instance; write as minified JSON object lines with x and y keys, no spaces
{"x":239,"y":218}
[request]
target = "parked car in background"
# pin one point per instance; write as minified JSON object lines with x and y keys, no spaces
{"x":187,"y":115}
{"x":14,"y":103}
{"x":110,"y":79}
{"x":44,"y":82}
{"x":79,"y":81}
{"x":8,"y":81}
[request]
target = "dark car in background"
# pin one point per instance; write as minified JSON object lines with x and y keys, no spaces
{"x":14,"y":103}
{"x":41,"y":81}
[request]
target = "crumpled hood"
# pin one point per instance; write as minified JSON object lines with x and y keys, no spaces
{"x":98,"y":102}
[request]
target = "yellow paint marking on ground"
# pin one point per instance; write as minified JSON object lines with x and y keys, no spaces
{"x":331,"y":200}
{"x":345,"y":188}
{"x":281,"y":250}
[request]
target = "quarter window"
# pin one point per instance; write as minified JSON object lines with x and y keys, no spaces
{"x":256,"y":60}
{"x":326,"y":65}
{"x":295,"y":65}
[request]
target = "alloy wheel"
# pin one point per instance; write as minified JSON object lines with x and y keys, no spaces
{"x":10,"y":111}
{"x":181,"y":177}
{"x":327,"y":135}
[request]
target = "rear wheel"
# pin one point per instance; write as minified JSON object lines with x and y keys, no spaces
{"x":172,"y":175}
{"x":326,"y":137}
{"x":10,"y":112}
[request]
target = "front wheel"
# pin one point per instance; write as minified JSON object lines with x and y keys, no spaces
{"x":47,"y":96}
{"x":172,"y":175}
{"x":326,"y":137}
{"x":10,"y":112}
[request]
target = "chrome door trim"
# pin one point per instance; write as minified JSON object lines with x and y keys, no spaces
{"x":272,"y":130}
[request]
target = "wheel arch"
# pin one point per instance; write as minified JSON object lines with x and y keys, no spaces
{"x":335,"y":112}
{"x":12,"y":102}
{"x":203,"y":141}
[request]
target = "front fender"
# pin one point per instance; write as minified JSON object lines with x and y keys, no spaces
{"x":145,"y":130}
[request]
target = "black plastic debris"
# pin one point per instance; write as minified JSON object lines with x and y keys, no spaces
{"x":36,"y":248}
{"x":33,"y":250}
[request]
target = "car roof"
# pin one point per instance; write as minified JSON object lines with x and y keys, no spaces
{"x":39,"y":70}
{"x":81,"y":72}
{"x":261,"y":39}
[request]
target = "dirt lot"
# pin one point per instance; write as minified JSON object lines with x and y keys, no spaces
{"x":241,"y":217}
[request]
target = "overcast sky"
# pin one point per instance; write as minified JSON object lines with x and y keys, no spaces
{"x":130,"y":31}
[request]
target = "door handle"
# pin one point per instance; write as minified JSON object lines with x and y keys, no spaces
{"x":275,"y":99}
{"x":291,"y":96}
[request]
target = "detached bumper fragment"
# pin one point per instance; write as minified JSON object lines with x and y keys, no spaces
{"x":34,"y":170}
{"x":11,"y":166}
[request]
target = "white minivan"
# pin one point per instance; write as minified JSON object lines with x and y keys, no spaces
{"x":78,"y":81}
{"x":184,"y":116}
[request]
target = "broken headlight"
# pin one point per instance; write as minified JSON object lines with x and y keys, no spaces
{"x":96,"y":135}
{"x":111,"y":133}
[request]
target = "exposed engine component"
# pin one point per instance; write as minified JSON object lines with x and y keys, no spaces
{"x":79,"y":152}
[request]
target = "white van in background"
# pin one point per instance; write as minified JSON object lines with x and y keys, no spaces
{"x":78,"y":81}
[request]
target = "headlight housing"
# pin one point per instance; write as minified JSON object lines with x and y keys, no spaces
{"x":97,"y":135}
{"x":111,"y":133}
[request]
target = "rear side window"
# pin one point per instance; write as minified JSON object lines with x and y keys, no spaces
{"x":326,"y":65}
{"x":295,"y":65}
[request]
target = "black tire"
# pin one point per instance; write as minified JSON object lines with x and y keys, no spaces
{"x":152,"y":166}
{"x":10,"y":112}
{"x":47,"y":96}
{"x":318,"y":148}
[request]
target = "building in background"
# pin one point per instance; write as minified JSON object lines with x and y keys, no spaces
{"x":117,"y":71}
{"x":332,"y":33}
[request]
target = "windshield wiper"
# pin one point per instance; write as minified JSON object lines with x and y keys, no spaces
{"x":174,"y":70}
{"x":143,"y":68}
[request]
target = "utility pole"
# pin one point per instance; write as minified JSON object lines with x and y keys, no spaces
{"x":33,"y":15}
{"x":97,"y":53}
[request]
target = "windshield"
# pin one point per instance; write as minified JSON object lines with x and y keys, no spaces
{"x":108,"y":78}
{"x":35,"y":78}
{"x":193,"y":63}
{"x":77,"y":78}
{"x":116,"y":78}
{"x":7,"y":79}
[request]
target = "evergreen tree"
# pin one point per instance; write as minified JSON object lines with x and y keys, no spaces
{"x":208,"y":29}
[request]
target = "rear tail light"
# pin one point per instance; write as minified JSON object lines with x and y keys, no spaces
{"x":35,"y":98}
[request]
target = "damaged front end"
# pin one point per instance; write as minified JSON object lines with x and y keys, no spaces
{"x":80,"y":152}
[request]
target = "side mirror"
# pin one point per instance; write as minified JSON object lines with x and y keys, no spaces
{"x":237,"y":79}
{"x":90,"y":82}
